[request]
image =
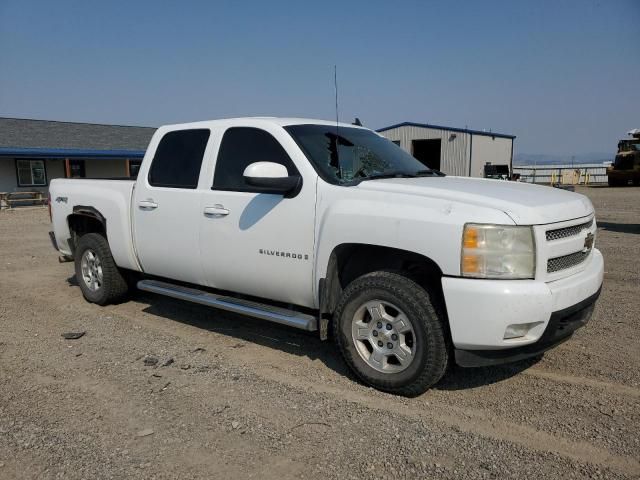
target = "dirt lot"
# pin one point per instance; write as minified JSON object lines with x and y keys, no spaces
{"x":245,"y":399}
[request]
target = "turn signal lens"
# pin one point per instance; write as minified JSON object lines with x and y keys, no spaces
{"x":470,"y":264}
{"x":497,"y":251}
{"x":470,"y":239}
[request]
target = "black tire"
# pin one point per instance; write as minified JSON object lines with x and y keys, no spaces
{"x":113,"y":287}
{"x":430,"y":346}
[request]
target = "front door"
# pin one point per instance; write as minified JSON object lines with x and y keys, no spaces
{"x":166,"y":207}
{"x":76,"y":169}
{"x":257,"y":243}
{"x":428,"y":152}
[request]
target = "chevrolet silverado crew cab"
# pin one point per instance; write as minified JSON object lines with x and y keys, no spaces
{"x":332,"y":228}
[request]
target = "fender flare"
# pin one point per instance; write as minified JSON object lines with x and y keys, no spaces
{"x":89,"y":211}
{"x":85,"y":211}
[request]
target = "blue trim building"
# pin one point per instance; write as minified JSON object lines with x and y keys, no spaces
{"x":454,"y":151}
{"x":32,"y":152}
{"x":450,"y":129}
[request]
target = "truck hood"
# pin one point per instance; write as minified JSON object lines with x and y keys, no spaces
{"x":526,"y":204}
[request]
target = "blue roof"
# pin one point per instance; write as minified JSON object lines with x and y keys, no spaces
{"x":451,"y":129}
{"x":69,"y":153}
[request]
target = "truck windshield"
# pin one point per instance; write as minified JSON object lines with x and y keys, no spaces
{"x":346,"y":156}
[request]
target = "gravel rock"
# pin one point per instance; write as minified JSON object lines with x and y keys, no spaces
{"x":150,"y":361}
{"x":284,"y":405}
{"x":168,"y":362}
{"x":73,"y":335}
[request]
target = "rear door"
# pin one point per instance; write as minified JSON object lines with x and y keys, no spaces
{"x":166,"y":206}
{"x":252,"y":242}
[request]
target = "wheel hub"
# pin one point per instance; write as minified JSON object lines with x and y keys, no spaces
{"x":91,"y":268}
{"x":383,"y":336}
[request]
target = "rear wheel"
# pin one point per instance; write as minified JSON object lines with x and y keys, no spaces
{"x":99,"y":278}
{"x":390,"y":334}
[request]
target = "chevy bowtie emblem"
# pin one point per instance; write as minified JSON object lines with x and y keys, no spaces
{"x":588,"y":242}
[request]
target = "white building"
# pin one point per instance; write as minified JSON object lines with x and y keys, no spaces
{"x":454,"y":151}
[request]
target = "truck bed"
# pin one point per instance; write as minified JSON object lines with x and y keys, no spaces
{"x":110,"y":197}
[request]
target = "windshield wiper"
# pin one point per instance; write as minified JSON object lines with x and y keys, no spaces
{"x":428,"y":173}
{"x":377,"y":176}
{"x":419,"y":173}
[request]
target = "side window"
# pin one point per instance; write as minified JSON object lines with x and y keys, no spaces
{"x":178,"y":159}
{"x":242,"y":146}
{"x":31,"y":173}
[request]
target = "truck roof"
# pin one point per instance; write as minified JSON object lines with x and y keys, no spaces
{"x":255,"y":121}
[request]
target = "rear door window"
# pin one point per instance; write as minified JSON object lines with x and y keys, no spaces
{"x":178,"y":158}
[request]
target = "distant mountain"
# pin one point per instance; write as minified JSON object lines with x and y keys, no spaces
{"x":545,"y":159}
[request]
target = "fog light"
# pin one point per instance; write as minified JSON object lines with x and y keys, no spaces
{"x":518,"y":330}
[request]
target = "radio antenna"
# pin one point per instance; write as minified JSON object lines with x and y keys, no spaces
{"x":335,"y":85}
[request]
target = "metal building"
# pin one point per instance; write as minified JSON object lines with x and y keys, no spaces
{"x":454,"y":151}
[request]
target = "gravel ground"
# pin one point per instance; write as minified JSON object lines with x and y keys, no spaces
{"x":162,"y":389}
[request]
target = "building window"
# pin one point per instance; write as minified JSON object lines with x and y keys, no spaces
{"x":31,"y":173}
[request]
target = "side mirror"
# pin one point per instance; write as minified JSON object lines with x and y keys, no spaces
{"x":271,"y":177}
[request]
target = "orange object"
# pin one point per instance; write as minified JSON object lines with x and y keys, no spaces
{"x":470,"y":239}
{"x":470,"y":264}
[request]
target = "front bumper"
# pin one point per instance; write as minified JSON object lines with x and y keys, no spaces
{"x":561,"y":326}
{"x":480,"y":311}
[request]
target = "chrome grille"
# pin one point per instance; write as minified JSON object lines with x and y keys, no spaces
{"x":566,"y":261}
{"x":567,"y":231}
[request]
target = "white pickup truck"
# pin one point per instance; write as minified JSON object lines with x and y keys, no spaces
{"x":331,"y":228}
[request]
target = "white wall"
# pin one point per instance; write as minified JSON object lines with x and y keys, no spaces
{"x":454,"y":146}
{"x":55,"y":169}
{"x":9,"y":180}
{"x":496,"y":150}
{"x":7,"y":175}
{"x":105,"y":168}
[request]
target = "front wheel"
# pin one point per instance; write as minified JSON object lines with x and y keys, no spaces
{"x":98,"y":275}
{"x":390,"y":333}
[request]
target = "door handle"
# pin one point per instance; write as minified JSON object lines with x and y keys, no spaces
{"x":216,"y":211}
{"x":147,"y":205}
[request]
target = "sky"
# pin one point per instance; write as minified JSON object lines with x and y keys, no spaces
{"x":563,"y":76}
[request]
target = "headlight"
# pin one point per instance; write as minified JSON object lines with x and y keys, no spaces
{"x":497,"y":251}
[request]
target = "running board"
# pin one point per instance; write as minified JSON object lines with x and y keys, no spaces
{"x":231,"y":304}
